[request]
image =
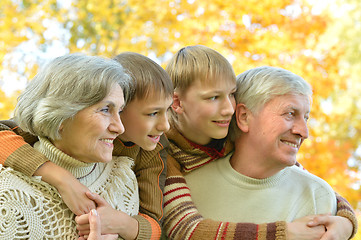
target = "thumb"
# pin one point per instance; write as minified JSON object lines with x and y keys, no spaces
{"x":99,"y":201}
{"x":94,"y":224}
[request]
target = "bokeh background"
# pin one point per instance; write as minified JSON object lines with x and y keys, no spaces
{"x":318,"y":40}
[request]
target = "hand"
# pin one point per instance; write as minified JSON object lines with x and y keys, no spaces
{"x":299,"y":230}
{"x":112,"y":221}
{"x":70,"y":189}
{"x":95,"y":233}
{"x":338,"y":228}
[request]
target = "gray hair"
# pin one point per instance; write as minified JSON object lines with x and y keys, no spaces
{"x":65,"y":86}
{"x":257,"y":86}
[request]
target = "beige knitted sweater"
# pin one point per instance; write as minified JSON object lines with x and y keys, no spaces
{"x":33,"y":209}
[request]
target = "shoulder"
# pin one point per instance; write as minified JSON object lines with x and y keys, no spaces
{"x":309,"y":180}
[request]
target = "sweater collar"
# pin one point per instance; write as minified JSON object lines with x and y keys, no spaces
{"x":78,"y":168}
{"x":191,"y":155}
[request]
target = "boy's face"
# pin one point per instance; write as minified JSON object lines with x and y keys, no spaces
{"x":206,"y":110}
{"x":145,"y":120}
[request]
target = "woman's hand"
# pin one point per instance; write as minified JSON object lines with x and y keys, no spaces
{"x":95,"y":229}
{"x":338,"y":228}
{"x":299,"y":230}
{"x":112,"y":221}
{"x":70,"y":189}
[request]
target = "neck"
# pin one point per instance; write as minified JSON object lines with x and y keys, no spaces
{"x":190,"y":134}
{"x":250,"y":162}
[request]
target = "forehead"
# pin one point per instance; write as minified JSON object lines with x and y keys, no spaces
{"x":152,"y":100}
{"x":213,"y":83}
{"x":296,"y":102}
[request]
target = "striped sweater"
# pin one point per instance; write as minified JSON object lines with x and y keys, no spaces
{"x":150,"y":170}
{"x":182,"y":219}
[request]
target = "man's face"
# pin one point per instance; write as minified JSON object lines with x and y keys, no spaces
{"x":278,"y":130}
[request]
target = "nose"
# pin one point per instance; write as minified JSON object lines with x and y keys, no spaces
{"x":300,"y":128}
{"x":163,"y":123}
{"x":116,"y":125}
{"x":228,"y":106}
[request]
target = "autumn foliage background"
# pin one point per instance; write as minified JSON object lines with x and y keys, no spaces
{"x":318,"y":41}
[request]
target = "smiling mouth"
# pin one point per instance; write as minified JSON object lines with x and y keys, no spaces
{"x":223,"y":123}
{"x":154,"y":138}
{"x":294,"y":145}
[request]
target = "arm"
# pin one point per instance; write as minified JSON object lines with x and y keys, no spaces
{"x":18,"y":153}
{"x":182,"y":220}
{"x":345,"y":225}
{"x":150,"y":170}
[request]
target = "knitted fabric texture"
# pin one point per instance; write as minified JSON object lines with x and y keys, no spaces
{"x":182,"y":219}
{"x":33,"y":209}
{"x":149,"y":167}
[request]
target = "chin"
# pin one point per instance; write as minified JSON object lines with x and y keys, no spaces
{"x":149,"y":148}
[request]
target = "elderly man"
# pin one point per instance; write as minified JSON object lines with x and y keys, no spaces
{"x":259,"y":181}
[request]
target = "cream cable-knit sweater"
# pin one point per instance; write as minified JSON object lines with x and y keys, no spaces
{"x":33,"y":209}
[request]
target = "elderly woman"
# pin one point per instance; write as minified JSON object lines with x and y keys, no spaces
{"x":73,"y":106}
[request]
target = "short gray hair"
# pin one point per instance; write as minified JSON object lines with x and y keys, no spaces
{"x":257,"y":86}
{"x":63,"y":87}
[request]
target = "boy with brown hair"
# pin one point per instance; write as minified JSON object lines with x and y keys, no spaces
{"x":145,"y":119}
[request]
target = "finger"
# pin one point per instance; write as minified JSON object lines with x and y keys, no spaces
{"x":94,"y":222}
{"x":83,"y":229}
{"x":82,"y":219}
{"x":326,"y":236}
{"x":319,"y":220}
{"x":99,"y":201}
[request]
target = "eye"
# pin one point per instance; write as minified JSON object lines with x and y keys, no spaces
{"x":105,"y":109}
{"x":152,"y":114}
{"x":289,"y":114}
{"x":213,"y":98}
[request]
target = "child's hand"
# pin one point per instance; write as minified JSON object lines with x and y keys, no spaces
{"x":95,"y":229}
{"x":73,"y":194}
{"x":70,"y":189}
{"x":112,"y":221}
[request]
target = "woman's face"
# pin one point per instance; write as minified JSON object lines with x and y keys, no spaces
{"x":89,"y":136}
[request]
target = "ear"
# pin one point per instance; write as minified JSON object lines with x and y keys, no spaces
{"x":177,"y":103}
{"x":242,"y":117}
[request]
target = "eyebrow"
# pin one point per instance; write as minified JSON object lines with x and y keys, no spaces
{"x":112,"y":104}
{"x":295,"y":108}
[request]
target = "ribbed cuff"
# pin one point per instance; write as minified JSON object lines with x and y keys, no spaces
{"x":144,"y":229}
{"x":26,"y":160}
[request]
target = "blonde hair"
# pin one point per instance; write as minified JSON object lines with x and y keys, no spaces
{"x":198,"y":63}
{"x":62,"y":88}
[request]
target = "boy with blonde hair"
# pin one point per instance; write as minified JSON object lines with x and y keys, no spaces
{"x":203,"y":105}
